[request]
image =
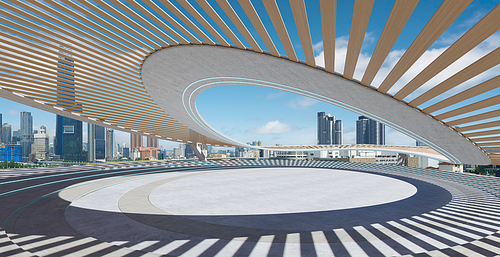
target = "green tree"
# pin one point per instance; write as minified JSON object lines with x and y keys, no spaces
{"x":480,"y":170}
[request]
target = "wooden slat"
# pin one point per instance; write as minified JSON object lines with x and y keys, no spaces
{"x":485,"y":63}
{"x":470,"y":108}
{"x":489,"y":148}
{"x":62,"y":33}
{"x":360,"y":18}
{"x":489,"y":144}
{"x":482,"y":133}
{"x":222,"y":25}
{"x":481,"y":88}
{"x":114,"y":30}
{"x":186,"y":5}
{"x":486,"y":139}
{"x":300,"y":17}
{"x":257,"y":24}
{"x":52,"y":48}
{"x":478,"y":117}
{"x":136,"y":30}
{"x":132,"y":52}
{"x":239,"y":25}
{"x":101,"y":75}
{"x":440,"y":21}
{"x":59,"y":16}
{"x":49,"y":69}
{"x":479,"y":126}
{"x":477,"y":34}
{"x":328,"y":16}
{"x":400,"y":14}
{"x":86,"y":103}
{"x":141,"y":103}
{"x":140,"y":26}
{"x":279,"y":26}
{"x":157,"y":20}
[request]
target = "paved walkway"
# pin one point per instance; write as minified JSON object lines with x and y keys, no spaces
{"x":248,"y":208}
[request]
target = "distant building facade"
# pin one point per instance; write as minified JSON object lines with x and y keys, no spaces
{"x":16,"y":136}
{"x":152,"y":142}
{"x":26,"y":129}
{"x":6,"y":133}
{"x":329,"y":130}
{"x":369,"y":131}
{"x":68,"y":140}
{"x":41,"y":144}
{"x":96,"y":149}
{"x":135,"y":141}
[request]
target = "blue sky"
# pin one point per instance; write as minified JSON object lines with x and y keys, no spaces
{"x":247,"y":113}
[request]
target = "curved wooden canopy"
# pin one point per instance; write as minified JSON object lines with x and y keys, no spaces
{"x":83,"y":58}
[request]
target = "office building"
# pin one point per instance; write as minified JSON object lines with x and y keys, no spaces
{"x":126,"y":152}
{"x":6,"y":133}
{"x":135,"y":141}
{"x":329,"y":130}
{"x":152,"y":142}
{"x":26,"y":130}
{"x":1,"y":128}
{"x":68,"y":140}
{"x":96,"y":149}
{"x":16,"y":136}
{"x":369,"y":131}
{"x":338,"y":136}
{"x":41,"y":144}
{"x":179,"y":151}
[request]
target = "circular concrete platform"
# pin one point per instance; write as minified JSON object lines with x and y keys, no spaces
{"x":276,"y":191}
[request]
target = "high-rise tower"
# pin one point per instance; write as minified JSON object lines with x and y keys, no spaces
{"x":135,"y":141}
{"x":6,"y":133}
{"x":329,"y":130}
{"x":369,"y":131}
{"x":97,"y":142}
{"x":26,"y":129}
{"x":152,"y":142}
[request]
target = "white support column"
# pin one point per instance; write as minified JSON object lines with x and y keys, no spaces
{"x":197,"y":150}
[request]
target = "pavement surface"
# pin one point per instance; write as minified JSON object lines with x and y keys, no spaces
{"x":248,"y":208}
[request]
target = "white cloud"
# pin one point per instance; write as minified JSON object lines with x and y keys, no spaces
{"x":273,"y":127}
{"x":318,"y":47}
{"x":229,"y":132}
{"x":302,"y":103}
{"x":275,"y":95}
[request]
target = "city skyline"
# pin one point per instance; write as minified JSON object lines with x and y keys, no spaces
{"x":285,"y":133}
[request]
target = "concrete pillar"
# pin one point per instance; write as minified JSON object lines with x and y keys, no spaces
{"x":197,"y":150}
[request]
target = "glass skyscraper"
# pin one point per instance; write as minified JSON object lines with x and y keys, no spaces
{"x":26,"y":131}
{"x":329,"y":130}
{"x":369,"y":131}
{"x":97,"y":142}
